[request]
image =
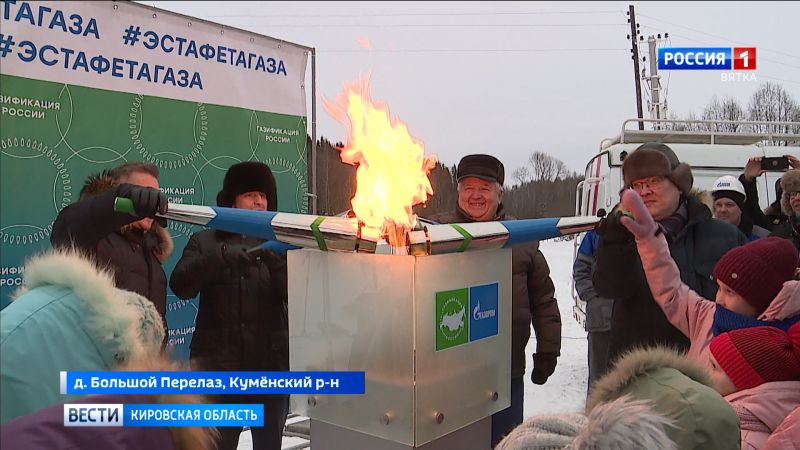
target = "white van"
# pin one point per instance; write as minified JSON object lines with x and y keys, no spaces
{"x":710,"y":154}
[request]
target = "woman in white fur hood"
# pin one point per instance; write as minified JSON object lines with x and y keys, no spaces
{"x":68,"y":316}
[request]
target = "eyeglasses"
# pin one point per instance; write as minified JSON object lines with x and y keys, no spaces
{"x":651,"y":183}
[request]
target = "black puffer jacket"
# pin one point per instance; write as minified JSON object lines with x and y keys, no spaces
{"x":242,"y":320}
{"x":770,"y":217}
{"x":533,"y":298}
{"x":92,"y":225}
{"x":789,"y":229}
{"x":637,"y":319}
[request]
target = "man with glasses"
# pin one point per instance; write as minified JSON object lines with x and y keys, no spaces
{"x":696,"y":242}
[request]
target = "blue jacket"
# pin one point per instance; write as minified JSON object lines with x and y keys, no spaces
{"x":68,"y":316}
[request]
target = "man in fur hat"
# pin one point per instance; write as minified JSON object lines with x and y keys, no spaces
{"x":242,"y":320}
{"x":790,"y":206}
{"x":133,"y":247}
{"x":696,"y":242}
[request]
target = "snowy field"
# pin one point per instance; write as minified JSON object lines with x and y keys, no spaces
{"x":565,"y":391}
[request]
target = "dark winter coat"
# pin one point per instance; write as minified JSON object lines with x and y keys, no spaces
{"x":91,"y":224}
{"x":533,"y":298}
{"x":637,"y":319}
{"x":767,"y":220}
{"x":598,"y":309}
{"x":242,"y":319}
{"x":789,"y":229}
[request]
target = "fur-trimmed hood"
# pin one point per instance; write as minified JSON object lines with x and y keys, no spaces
{"x":790,"y":182}
{"x":97,"y":184}
{"x":121,"y":319}
{"x":704,"y":197}
{"x":623,"y":423}
{"x":639,"y":362}
{"x":679,"y":389}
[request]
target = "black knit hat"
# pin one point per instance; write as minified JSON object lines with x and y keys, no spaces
{"x":655,"y":159}
{"x":486,"y":167}
{"x":248,"y":176}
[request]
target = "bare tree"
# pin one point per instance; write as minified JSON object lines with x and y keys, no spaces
{"x":771,"y":103}
{"x":521,"y":175}
{"x":546,"y":167}
{"x":726,"y":109}
{"x":689,"y":125}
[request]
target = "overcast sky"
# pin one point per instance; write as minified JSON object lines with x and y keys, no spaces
{"x":510,"y":78}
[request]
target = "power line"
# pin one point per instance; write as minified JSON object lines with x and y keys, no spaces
{"x":533,"y":13}
{"x":438,"y":25}
{"x":778,"y":79}
{"x":467,"y":50}
{"x":717,"y":36}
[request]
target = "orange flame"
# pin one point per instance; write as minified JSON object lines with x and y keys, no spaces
{"x":392,"y":173}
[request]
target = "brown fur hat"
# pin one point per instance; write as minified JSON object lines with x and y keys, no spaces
{"x":790,"y":182}
{"x":655,"y":159}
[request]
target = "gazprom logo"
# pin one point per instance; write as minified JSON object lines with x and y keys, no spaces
{"x":483,"y":304}
{"x":466,"y":315}
{"x":477,"y":314}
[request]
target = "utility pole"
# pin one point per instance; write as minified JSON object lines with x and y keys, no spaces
{"x":635,"y":55}
{"x":658,"y":110}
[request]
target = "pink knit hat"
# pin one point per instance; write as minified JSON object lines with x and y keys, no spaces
{"x":758,"y":269}
{"x":754,"y":356}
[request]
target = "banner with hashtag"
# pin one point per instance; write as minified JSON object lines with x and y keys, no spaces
{"x":86,"y":86}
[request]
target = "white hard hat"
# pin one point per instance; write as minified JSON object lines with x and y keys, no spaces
{"x":728,"y":183}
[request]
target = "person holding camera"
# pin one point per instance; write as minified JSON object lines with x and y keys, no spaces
{"x":242,"y":320}
{"x":772,"y":215}
{"x":783,"y":216}
{"x":790,"y":206}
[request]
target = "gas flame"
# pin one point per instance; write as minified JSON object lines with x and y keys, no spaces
{"x":392,"y":168}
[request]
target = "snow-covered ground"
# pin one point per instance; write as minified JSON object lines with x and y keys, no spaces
{"x":565,"y":391}
{"x":566,"y":388}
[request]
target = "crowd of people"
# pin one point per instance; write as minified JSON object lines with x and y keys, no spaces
{"x":693,"y":311}
{"x":715,"y":282}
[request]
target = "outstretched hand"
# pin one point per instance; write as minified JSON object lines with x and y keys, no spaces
{"x":642,"y":223}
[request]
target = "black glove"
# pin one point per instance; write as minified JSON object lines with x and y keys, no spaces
{"x":610,"y":229}
{"x":146,"y":201}
{"x":544,"y":364}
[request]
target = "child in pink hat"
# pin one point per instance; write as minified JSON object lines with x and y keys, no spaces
{"x":758,"y":372}
{"x":757,"y":285}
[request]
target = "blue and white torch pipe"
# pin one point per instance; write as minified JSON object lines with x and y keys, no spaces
{"x":345,"y":234}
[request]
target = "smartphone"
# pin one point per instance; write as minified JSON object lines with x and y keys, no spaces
{"x":775,"y":164}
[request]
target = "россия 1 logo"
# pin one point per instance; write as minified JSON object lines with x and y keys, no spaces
{"x":710,"y":58}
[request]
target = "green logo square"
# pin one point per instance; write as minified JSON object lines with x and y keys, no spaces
{"x":452,"y":313}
